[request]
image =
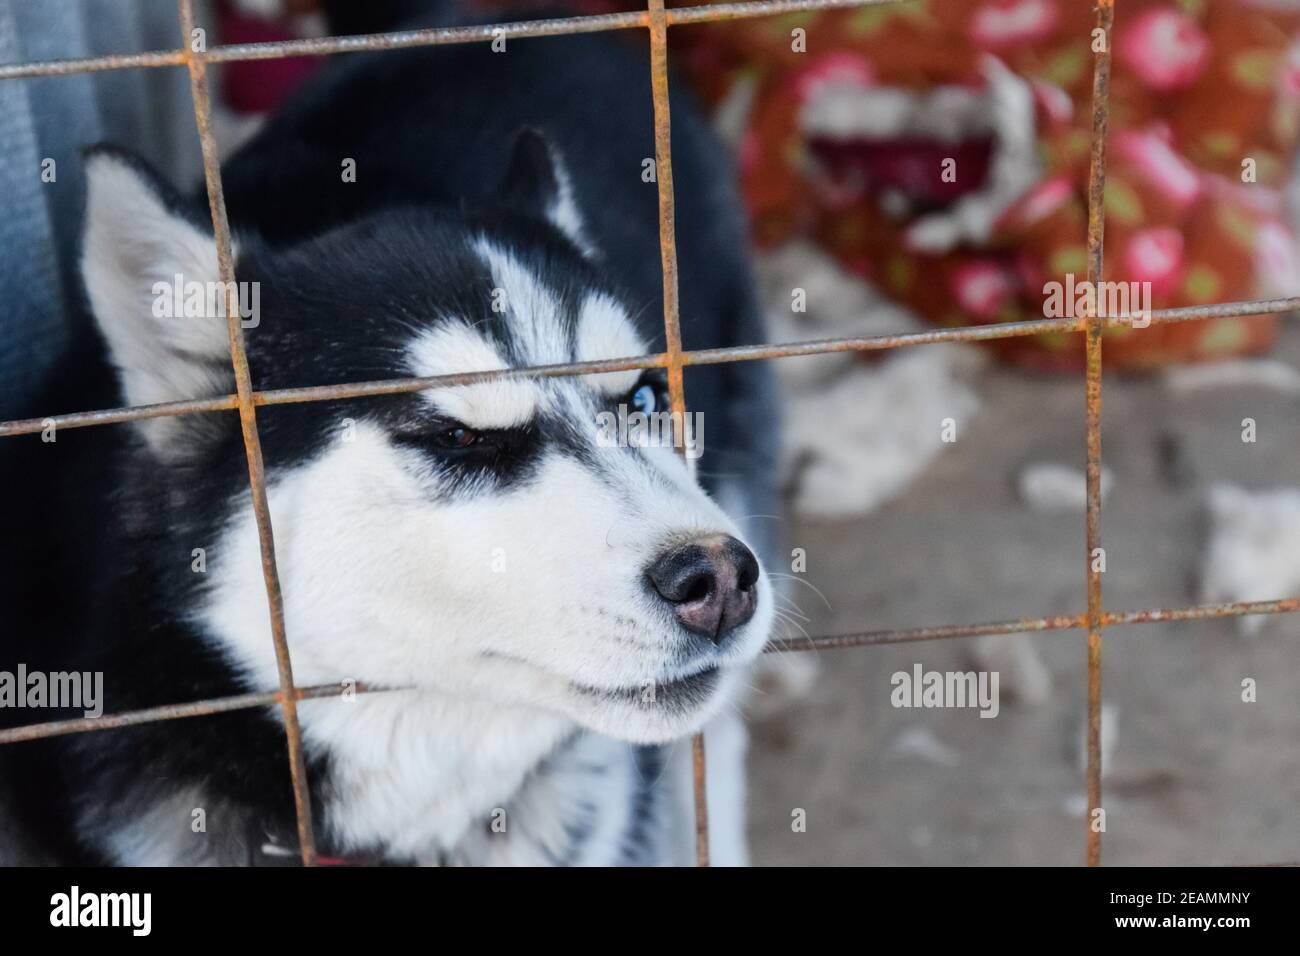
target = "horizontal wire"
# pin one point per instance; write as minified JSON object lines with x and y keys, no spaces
{"x":437,"y":36}
{"x":742,"y":353}
{"x":217,"y":705}
{"x":197,"y":708}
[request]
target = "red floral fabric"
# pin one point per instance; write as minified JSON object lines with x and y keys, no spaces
{"x":1201,"y":92}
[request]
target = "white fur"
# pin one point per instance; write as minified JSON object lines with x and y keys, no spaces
{"x":163,"y":835}
{"x":456,"y":347}
{"x":131,"y":242}
{"x":591,"y":784}
{"x":726,"y":742}
{"x":604,"y":332}
{"x":563,"y":213}
{"x":539,"y":334}
{"x":415,"y":771}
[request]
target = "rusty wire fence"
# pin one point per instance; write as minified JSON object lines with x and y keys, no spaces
{"x":656,"y":18}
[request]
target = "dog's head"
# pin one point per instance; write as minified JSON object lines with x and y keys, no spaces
{"x":495,"y":539}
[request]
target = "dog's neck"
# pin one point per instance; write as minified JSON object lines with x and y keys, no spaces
{"x":436,"y":780}
{"x":413,"y":772}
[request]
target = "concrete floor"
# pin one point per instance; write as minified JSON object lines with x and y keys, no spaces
{"x":1198,"y":776}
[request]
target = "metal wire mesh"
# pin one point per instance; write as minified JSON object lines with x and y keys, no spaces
{"x":656,"y":19}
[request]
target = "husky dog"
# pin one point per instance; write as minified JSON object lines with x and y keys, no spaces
{"x":557,"y":613}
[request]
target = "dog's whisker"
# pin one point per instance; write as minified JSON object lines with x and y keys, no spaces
{"x":805,"y":582}
{"x":788,"y":604}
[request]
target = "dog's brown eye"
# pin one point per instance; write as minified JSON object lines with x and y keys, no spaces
{"x":458,"y":437}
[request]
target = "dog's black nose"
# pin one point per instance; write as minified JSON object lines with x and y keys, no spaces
{"x":710,"y":583}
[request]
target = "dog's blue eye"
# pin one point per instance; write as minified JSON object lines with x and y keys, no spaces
{"x":457,"y":437}
{"x":645,"y":400}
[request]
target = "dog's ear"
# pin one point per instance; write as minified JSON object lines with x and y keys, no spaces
{"x":141,"y":251}
{"x":537,"y":183}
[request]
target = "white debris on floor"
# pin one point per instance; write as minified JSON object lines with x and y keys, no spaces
{"x":1020,"y":668}
{"x":1234,"y":373}
{"x":779,"y":679}
{"x":859,"y":441}
{"x":1253,"y":552}
{"x":1109,"y":737}
{"x":857,"y":431}
{"x":1049,"y":486}
{"x":806,"y":295}
{"x":922,"y":743}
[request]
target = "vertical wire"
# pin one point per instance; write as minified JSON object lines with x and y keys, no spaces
{"x":673,"y":330}
{"x":248,"y":424}
{"x":1093,"y":330}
